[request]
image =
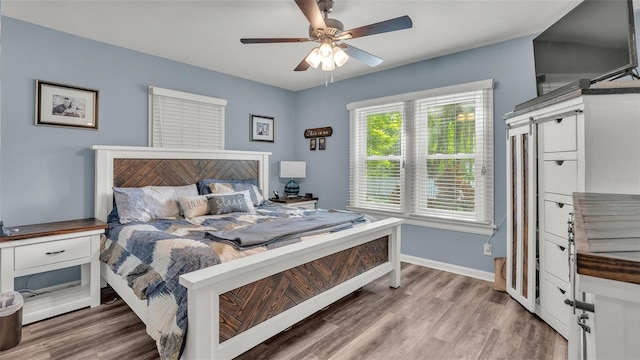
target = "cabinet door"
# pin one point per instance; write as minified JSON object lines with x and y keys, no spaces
{"x":521,"y":215}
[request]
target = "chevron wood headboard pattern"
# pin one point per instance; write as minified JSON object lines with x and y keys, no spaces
{"x":176,"y":172}
{"x":249,"y":305}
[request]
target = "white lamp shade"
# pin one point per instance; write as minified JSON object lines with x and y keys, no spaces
{"x":325,"y":50}
{"x":293,"y":169}
{"x":328,"y":65}
{"x":339,"y":56}
{"x":314,"y":58}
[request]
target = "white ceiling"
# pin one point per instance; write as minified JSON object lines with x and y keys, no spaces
{"x":207,"y":33}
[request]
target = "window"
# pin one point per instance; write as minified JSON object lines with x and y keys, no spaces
{"x":183,"y":120}
{"x":426,"y":156}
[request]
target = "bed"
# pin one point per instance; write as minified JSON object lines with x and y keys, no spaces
{"x":235,"y":305}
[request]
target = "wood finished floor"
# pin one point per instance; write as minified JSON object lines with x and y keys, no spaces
{"x":434,"y":315}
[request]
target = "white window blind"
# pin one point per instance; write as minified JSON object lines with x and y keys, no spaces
{"x":184,"y":120}
{"x":376,"y":157}
{"x":426,"y":156}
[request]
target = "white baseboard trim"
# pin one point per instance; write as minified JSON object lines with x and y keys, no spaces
{"x":456,"y":269}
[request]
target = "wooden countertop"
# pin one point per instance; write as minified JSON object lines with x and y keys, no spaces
{"x":607,"y":218}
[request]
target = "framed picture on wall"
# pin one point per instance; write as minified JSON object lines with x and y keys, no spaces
{"x":262,"y":128}
{"x":312,"y":144}
{"x":65,"y":105}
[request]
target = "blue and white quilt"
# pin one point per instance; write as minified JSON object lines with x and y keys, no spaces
{"x":151,"y":256}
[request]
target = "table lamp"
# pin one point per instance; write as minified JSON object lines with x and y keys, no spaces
{"x":291,"y":170}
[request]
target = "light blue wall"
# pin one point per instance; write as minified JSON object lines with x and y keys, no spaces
{"x":48,"y":172}
{"x":509,"y":63}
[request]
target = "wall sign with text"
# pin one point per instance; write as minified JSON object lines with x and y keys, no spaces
{"x":318,"y":132}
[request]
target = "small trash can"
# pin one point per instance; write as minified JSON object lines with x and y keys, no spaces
{"x":11,"y":304}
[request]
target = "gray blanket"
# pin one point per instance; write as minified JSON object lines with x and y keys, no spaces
{"x":287,"y":228}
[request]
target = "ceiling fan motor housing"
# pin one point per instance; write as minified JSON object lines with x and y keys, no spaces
{"x":334,"y":28}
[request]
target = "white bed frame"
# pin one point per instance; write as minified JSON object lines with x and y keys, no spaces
{"x":206,"y":285}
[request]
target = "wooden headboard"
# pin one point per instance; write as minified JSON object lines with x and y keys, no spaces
{"x":128,"y":166}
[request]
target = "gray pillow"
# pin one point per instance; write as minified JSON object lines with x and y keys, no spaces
{"x":228,"y":203}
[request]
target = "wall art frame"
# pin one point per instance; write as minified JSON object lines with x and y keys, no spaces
{"x":66,"y":106}
{"x":262,"y":128}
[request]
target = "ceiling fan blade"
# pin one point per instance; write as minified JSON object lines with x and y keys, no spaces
{"x":272,"y":40}
{"x":361,"y":55}
{"x":303,"y":66}
{"x":311,"y":10}
{"x":399,"y":23}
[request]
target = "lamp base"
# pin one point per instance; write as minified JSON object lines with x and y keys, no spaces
{"x":291,"y":189}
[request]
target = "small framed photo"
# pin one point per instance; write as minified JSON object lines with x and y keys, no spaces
{"x":262,"y":128}
{"x":65,"y":105}
{"x":322,"y":143}
{"x":312,"y":144}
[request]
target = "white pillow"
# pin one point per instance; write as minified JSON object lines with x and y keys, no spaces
{"x":193,"y":206}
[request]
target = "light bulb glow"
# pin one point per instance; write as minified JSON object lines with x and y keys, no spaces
{"x":313,"y":59}
{"x":339,"y":56}
{"x":328,"y":65}
{"x":325,"y":51}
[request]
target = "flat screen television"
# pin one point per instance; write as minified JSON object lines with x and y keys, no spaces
{"x":596,"y":41}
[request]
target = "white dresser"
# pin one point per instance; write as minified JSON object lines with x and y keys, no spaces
{"x":589,"y":141}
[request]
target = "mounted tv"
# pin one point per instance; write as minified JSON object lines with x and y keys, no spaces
{"x":593,"y":42}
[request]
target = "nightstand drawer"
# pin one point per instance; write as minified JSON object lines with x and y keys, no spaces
{"x":51,"y":252}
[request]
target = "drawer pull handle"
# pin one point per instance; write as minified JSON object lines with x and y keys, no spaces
{"x":559,"y":120}
{"x":559,"y":162}
{"x":561,"y":291}
{"x":562,"y":248}
{"x":55,"y":252}
{"x":560,"y":205}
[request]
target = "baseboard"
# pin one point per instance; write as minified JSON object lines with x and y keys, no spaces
{"x":456,"y":269}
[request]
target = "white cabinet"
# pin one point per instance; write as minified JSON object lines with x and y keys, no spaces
{"x":40,"y":248}
{"x":588,"y":142}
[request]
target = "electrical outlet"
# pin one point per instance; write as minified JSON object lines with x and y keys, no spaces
{"x":487,"y":249}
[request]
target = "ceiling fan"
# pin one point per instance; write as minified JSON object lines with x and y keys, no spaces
{"x":329,"y":32}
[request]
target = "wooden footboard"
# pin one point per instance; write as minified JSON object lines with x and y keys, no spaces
{"x":244,"y":302}
{"x":249,"y":305}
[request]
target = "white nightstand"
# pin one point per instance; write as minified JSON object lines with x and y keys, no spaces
{"x":40,"y":248}
{"x":305,"y":202}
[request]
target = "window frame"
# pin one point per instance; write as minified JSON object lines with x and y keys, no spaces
{"x":408,"y":197}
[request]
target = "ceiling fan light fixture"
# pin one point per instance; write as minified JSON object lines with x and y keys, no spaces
{"x":314,"y":59}
{"x":339,"y":56}
{"x":328,"y":65}
{"x":326,"y":51}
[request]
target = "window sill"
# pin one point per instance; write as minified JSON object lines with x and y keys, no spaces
{"x":460,"y":226}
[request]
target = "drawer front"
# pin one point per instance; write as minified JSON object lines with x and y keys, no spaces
{"x":556,"y":215}
{"x":29,"y":256}
{"x":561,"y":176}
{"x":560,"y":134}
{"x":555,"y":260}
{"x":553,"y":301}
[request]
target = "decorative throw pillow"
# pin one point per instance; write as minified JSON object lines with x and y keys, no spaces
{"x":193,"y":206}
{"x":150,"y":202}
{"x":227,"y":203}
{"x":254,"y":192}
{"x":221,"y":188}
